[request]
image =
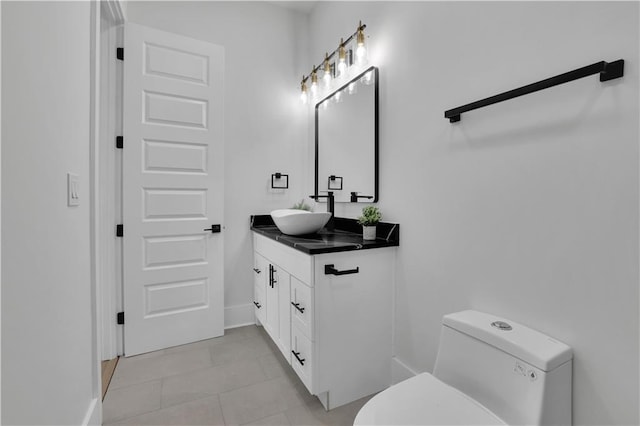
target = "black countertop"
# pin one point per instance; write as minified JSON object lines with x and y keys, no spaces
{"x":346,"y":236}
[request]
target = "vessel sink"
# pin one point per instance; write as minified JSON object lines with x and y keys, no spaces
{"x":299,"y":222}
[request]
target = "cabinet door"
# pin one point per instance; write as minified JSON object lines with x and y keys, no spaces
{"x":260,"y":272}
{"x":282,"y":285}
{"x":272,"y":324}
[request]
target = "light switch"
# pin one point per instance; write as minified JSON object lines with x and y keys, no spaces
{"x":73,"y":188}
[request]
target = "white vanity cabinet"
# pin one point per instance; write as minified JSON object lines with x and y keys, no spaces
{"x":334,"y":321}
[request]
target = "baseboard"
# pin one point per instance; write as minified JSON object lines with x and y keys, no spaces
{"x":400,"y":371}
{"x":238,"y":316}
{"x":94,"y":413}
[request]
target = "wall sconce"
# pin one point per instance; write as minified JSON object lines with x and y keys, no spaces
{"x":334,"y":183}
{"x":280,"y":177}
{"x":331,"y":69}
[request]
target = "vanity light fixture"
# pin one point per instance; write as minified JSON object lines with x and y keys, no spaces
{"x":327,"y":70}
{"x":342,"y":58}
{"x":361,"y":50}
{"x":304,"y":95}
{"x":314,"y":83}
{"x":333,"y":69}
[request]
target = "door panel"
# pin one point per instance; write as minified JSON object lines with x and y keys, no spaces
{"x":172,"y":190}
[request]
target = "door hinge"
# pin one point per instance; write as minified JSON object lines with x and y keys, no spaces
{"x":120,"y":318}
{"x":120,"y":53}
{"x":120,"y":230}
{"x":119,"y":142}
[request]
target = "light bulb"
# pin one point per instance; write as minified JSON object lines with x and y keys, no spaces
{"x":338,"y":97}
{"x":314,"y":83}
{"x":361,"y":53}
{"x":327,"y":70}
{"x":342,"y":59}
{"x":352,"y":88}
{"x":361,"y":50}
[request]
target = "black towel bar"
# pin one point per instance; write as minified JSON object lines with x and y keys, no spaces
{"x":607,"y":70}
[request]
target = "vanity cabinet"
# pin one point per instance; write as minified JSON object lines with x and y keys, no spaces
{"x":330,"y":315}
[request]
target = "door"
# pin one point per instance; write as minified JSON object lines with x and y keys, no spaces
{"x":172,"y":190}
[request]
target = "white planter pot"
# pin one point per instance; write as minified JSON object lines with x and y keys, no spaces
{"x":368,"y":232}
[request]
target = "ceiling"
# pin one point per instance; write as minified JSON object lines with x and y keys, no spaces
{"x":304,"y":6}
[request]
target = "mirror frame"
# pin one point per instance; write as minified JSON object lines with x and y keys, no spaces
{"x":375,"y":132}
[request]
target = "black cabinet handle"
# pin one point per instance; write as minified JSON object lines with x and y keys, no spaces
{"x":256,"y":270}
{"x":257,"y":305}
{"x":272,"y":280}
{"x":271,"y":270}
{"x":297,"y":306}
{"x":330,"y":270}
{"x":296,"y":354}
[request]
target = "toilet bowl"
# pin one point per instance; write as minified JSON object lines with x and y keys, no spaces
{"x":489,"y":371}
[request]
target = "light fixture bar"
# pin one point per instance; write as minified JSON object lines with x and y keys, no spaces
{"x":328,"y":56}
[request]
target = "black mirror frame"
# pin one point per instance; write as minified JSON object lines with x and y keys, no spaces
{"x":375,"y":131}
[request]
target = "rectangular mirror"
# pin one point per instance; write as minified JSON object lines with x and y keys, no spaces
{"x":346,"y":127}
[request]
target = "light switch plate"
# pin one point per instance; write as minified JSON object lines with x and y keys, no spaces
{"x":73,"y":189}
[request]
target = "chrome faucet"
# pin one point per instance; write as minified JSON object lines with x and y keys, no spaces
{"x":331,"y":208}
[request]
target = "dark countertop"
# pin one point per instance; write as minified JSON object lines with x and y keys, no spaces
{"x":346,"y":236}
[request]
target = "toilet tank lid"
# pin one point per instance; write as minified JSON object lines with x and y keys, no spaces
{"x":529,"y":345}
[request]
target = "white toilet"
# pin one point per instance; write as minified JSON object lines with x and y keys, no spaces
{"x":489,"y":371}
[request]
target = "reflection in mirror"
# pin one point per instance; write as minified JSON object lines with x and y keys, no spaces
{"x":347,"y":141}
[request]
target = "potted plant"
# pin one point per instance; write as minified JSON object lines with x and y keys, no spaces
{"x":301,"y":206}
{"x":370,"y":217}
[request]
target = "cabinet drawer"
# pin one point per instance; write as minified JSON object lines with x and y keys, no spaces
{"x":291,"y":260}
{"x":259,"y":303}
{"x":302,"y":357}
{"x":302,"y":307}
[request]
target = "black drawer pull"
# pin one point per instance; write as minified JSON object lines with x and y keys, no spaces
{"x":297,"y":306}
{"x":257,"y":305}
{"x":256,"y":270}
{"x":330,"y":270}
{"x":301,"y":361}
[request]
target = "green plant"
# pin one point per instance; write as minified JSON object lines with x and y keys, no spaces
{"x":370,"y":216}
{"x":301,"y":206}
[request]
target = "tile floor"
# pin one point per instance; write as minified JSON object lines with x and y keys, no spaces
{"x":240,"y":378}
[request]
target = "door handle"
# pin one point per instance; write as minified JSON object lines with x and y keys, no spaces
{"x":214,"y":229}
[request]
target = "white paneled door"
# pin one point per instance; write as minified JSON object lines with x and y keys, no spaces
{"x":172,"y":190}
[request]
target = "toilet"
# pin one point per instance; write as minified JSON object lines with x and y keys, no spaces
{"x":488,"y":371}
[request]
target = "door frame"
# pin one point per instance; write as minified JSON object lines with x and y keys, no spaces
{"x":106,"y":166}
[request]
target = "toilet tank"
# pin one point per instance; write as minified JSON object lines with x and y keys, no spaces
{"x":521,"y":375}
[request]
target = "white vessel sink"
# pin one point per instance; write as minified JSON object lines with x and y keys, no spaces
{"x":299,"y":222}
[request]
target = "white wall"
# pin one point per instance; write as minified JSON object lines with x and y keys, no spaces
{"x":264,"y":126}
{"x":526,"y":209}
{"x":46,"y":296}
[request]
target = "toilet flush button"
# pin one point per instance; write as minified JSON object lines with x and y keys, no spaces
{"x":501,"y":325}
